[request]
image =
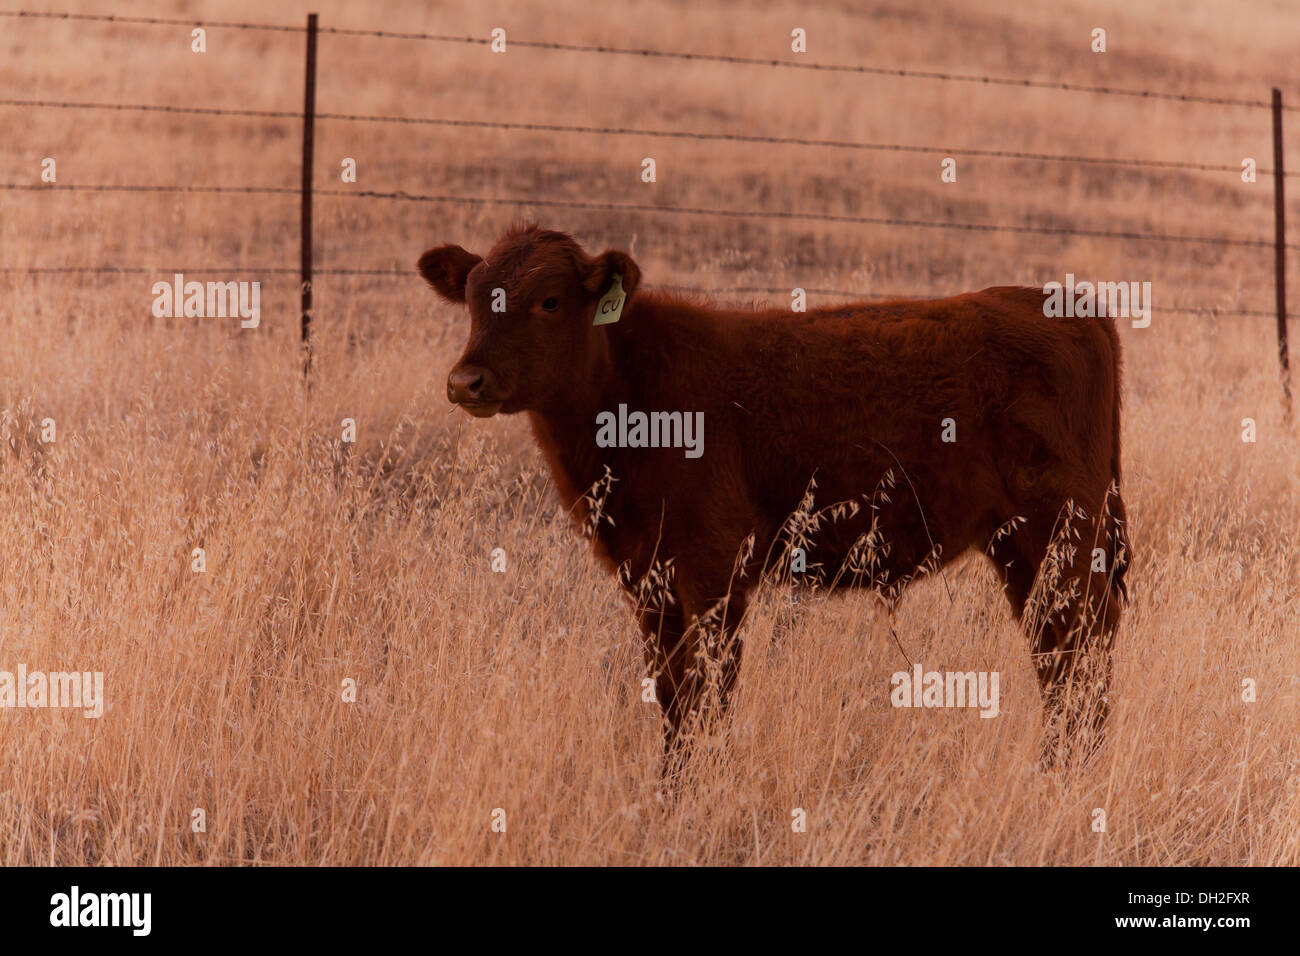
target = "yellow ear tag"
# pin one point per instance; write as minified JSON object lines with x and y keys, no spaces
{"x":610,"y":307}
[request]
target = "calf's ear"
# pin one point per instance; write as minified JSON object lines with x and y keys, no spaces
{"x":609,"y":264}
{"x":446,"y":268}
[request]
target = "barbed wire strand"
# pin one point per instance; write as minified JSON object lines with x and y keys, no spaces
{"x":784,"y":215}
{"x":655,"y":133}
{"x":904,"y":73}
{"x":780,"y":215}
{"x":847,"y":294}
{"x":149,"y":21}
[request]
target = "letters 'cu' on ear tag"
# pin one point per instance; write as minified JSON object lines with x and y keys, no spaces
{"x":610,"y":307}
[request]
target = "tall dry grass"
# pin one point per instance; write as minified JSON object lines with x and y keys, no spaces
{"x":521,"y":690}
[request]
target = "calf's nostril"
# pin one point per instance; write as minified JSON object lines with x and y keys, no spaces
{"x":466,"y":385}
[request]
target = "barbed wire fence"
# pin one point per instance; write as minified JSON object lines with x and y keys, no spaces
{"x":309,"y":115}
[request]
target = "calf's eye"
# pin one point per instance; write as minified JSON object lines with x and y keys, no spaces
{"x":551,"y":304}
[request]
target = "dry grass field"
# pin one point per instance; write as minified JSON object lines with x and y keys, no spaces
{"x":521,"y":690}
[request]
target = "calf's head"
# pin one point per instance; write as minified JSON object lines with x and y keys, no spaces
{"x":532,"y":307}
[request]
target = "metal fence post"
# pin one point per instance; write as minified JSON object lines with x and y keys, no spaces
{"x":1279,"y":249}
{"x":308,"y":149}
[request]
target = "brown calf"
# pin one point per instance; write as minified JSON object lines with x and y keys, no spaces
{"x":938,"y":426}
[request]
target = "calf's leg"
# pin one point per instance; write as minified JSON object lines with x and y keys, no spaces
{"x":693,"y":653}
{"x":1063,"y":571}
